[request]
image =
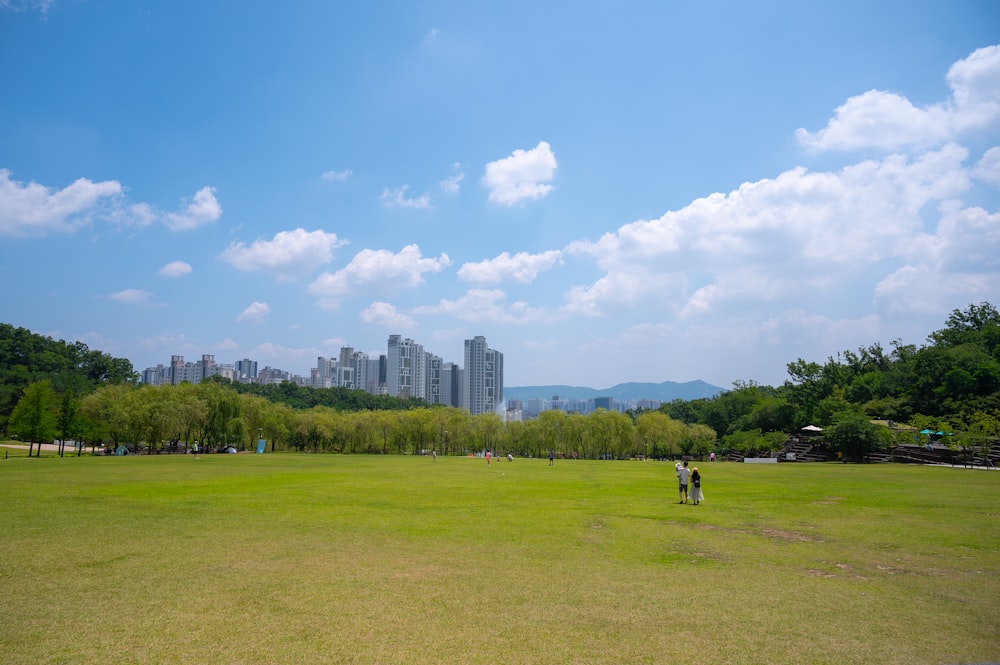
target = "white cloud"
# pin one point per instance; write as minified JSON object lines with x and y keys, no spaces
{"x":522,"y":267}
{"x":452,"y":184}
{"x":782,"y":237}
{"x":35,"y":210}
{"x":988,"y":168}
{"x":337,"y":176}
{"x":523,"y":175}
{"x":204,"y":208}
{"x":958,"y":263}
{"x":175,"y":269}
{"x":487,"y":305}
{"x":385,"y":315}
{"x":396,"y":198}
{"x":889,"y":121}
{"x":975,"y":82}
{"x":379,"y":269}
{"x":42,"y":6}
{"x":256,"y":312}
{"x":131,"y":296}
{"x":967,"y":241}
{"x":289,"y":255}
{"x":619,"y":288}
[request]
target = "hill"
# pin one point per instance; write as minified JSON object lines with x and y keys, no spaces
{"x":663,"y":392}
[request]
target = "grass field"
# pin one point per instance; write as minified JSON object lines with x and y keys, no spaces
{"x":296,"y":558}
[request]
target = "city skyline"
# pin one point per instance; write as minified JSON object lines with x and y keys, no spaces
{"x":698,"y":192}
{"x":405,"y":370}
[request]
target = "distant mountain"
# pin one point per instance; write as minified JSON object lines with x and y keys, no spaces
{"x":663,"y":392}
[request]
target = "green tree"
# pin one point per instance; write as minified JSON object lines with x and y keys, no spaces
{"x":36,"y":416}
{"x":69,"y":425}
{"x":855,"y":437}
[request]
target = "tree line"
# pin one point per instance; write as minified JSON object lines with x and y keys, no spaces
{"x":171,"y":418}
{"x":949,"y":385}
{"x":54,"y":390}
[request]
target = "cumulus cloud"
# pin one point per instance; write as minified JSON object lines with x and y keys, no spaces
{"x":776,"y":237}
{"x":524,"y":175}
{"x":377,"y":269}
{"x":131,"y":296}
{"x":175,"y":269}
{"x":31,"y":209}
{"x":966,"y":241}
{"x":522,"y":267}
{"x":889,"y":121}
{"x":288,"y":255}
{"x":619,"y":288}
{"x":396,"y":198}
{"x":256,"y":312}
{"x":204,"y":208}
{"x":988,"y":168}
{"x":337,"y":176}
{"x":385,"y":315}
{"x":487,"y":305}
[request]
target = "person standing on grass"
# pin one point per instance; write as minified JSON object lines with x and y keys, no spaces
{"x":488,"y":456}
{"x":552,"y":457}
{"x":195,"y":450}
{"x":434,"y":455}
{"x":696,"y":494}
{"x":683,"y":474}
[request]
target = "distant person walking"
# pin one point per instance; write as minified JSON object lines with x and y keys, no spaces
{"x":711,"y":457}
{"x":488,"y":457}
{"x":552,"y":457}
{"x":696,"y":494}
{"x":195,"y":449}
{"x":434,"y":455}
{"x":683,"y":475}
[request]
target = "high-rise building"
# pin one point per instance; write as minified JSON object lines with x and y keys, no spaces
{"x":375,"y":377}
{"x":482,"y":377}
{"x":345,"y":368}
{"x":176,"y":370}
{"x":326,"y":373}
{"x":606,"y":403}
{"x":405,"y":368}
{"x":246,"y":370}
{"x":181,"y":371}
{"x":156,"y":376}
{"x":270,"y":375}
{"x":208,"y":367}
{"x":451,"y":385}
{"x":351,"y":369}
{"x":432,"y":378}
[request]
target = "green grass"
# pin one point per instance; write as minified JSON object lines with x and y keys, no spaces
{"x":355,"y":559}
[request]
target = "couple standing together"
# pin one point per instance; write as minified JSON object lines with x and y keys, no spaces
{"x":687,"y":476}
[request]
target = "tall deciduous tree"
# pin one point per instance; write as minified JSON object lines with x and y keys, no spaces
{"x":855,"y":436}
{"x":35,"y":417}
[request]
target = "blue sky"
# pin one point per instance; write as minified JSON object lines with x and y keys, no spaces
{"x":607,"y":191}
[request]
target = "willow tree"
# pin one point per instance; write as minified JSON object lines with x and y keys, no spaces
{"x":109,"y":414}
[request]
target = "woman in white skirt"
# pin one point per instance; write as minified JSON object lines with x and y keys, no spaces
{"x":696,"y":493}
